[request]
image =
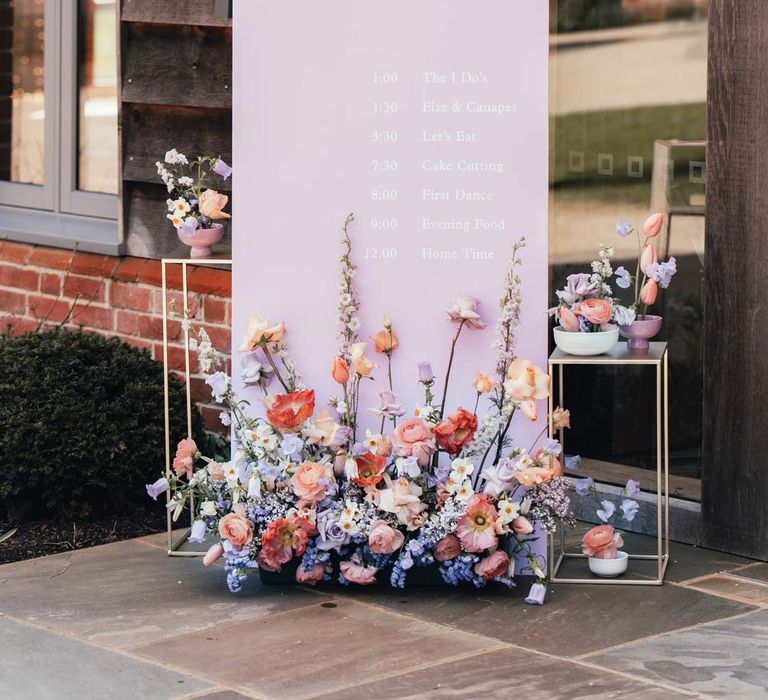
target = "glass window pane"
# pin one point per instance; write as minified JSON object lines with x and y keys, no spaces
{"x":628,"y":124}
{"x":97,"y":169}
{"x":22,"y":109}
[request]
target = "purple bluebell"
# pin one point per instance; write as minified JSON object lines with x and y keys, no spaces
{"x":221,"y":168}
{"x":583,"y":486}
{"x":606,"y":512}
{"x":290,"y":447}
{"x":155,"y":489}
{"x":623,"y":228}
{"x":629,"y":509}
{"x":537,"y":594}
{"x":197,"y":533}
{"x":425,"y":372}
{"x":219,"y":383}
{"x":632,"y":488}
{"x":623,"y":277}
{"x":189,"y":227}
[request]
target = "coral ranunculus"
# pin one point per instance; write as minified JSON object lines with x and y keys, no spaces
{"x":310,"y":480}
{"x":597,"y":311}
{"x":602,"y":542}
{"x":281,"y":539}
{"x":370,"y":469}
{"x":289,"y":411}
{"x":413,"y":438}
{"x":456,"y":430}
{"x":477,"y":527}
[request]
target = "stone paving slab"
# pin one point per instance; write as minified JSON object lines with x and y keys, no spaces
{"x":734,"y":587}
{"x":727,"y":659}
{"x":757,"y":572}
{"x":36,"y":665}
{"x":316,"y":649}
{"x":577,"y":619}
{"x":127,"y":593}
{"x":505,"y":674}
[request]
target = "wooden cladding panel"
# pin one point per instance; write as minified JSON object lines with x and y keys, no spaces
{"x":194,"y":12}
{"x":190,"y":67}
{"x":150,"y":130}
{"x":735,"y":480}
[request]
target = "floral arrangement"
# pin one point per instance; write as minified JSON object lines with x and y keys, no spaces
{"x":650,"y":274}
{"x":603,"y":541}
{"x":314,"y":493}
{"x":587,"y":303}
{"x":190,"y":206}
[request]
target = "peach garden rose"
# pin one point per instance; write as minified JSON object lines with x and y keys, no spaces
{"x":237,"y":529}
{"x":384,"y":539}
{"x":413,"y":438}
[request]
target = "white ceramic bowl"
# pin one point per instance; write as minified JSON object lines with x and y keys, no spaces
{"x":586,"y":343}
{"x":608,"y":568}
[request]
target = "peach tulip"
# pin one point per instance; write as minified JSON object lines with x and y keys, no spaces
{"x":258,"y":332}
{"x":340,"y":370}
{"x":211,"y":204}
{"x":360,"y":363}
{"x":653,"y":224}
{"x":568,"y":320}
{"x":385,"y":341}
{"x":483,"y":383}
{"x":648,"y":257}
{"x":648,"y":292}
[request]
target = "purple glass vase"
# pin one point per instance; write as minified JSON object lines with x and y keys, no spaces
{"x":640,"y":331}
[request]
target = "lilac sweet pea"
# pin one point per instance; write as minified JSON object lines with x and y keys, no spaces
{"x":583,"y":486}
{"x":623,"y":228}
{"x":221,"y":168}
{"x":160,"y":486}
{"x":388,"y":406}
{"x":663,"y":272}
{"x":632,"y":488}
{"x":629,"y":509}
{"x":573,"y":462}
{"x":623,"y":277}
{"x":606,"y":512}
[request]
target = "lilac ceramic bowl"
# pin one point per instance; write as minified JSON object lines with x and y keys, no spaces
{"x":202,"y":240}
{"x":640,"y":330}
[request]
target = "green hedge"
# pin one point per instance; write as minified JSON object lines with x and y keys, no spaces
{"x":81,"y":424}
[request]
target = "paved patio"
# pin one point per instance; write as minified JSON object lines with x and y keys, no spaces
{"x":125,"y":621}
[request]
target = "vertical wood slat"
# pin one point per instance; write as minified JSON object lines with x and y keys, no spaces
{"x":735,"y":480}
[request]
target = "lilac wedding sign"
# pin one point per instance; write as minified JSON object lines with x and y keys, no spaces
{"x":426,"y":119}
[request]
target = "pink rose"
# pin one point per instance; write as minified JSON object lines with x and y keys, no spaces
{"x":216,"y":471}
{"x":357,"y":573}
{"x":568,"y":320}
{"x":310,"y":481}
{"x":447,"y":548}
{"x":237,"y":529}
{"x":185,"y":455}
{"x":522,"y":526}
{"x":310,"y":576}
{"x":213,"y":554}
{"x":413,"y":438}
{"x":384,"y":539}
{"x":492,"y":566}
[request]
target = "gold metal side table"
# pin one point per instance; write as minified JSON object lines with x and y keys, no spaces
{"x":174,"y":546}
{"x":656,"y":355}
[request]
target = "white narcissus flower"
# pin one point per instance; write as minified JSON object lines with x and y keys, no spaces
{"x":462,"y":467}
{"x":181,"y":206}
{"x":175,"y":219}
{"x":464,"y":491}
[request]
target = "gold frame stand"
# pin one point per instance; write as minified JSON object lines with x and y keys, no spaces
{"x":174,"y":545}
{"x":656,"y":355}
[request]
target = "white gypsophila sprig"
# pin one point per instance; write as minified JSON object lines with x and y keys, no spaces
{"x":347,"y":324}
{"x":292,"y":374}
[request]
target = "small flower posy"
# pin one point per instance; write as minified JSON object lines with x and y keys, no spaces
{"x":191,"y":204}
{"x":317,"y":493}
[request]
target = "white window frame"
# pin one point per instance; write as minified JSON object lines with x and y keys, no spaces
{"x":57,"y":213}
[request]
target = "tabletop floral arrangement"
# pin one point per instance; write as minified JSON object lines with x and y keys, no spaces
{"x":312,"y":494}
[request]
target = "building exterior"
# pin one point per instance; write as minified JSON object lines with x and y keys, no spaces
{"x":93,"y":92}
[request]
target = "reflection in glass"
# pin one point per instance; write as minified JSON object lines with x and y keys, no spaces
{"x":97,"y":83}
{"x":22,"y":109}
{"x":627,"y":125}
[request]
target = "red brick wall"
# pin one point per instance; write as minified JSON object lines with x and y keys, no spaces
{"x":114,"y":296}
